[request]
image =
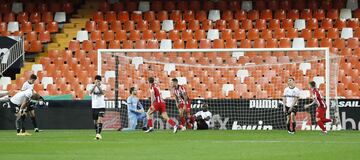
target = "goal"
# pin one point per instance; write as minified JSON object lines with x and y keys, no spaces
{"x":242,"y":87}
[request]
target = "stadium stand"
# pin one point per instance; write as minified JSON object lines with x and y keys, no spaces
{"x":70,"y":36}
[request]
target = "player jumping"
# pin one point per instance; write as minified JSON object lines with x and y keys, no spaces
{"x":97,"y":92}
{"x":290,"y":99}
{"x":182,"y":103}
{"x":157,"y":104}
{"x":321,"y":107}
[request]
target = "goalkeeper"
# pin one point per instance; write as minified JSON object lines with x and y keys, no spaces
{"x":135,"y":111}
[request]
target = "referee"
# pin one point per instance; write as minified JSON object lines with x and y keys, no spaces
{"x":290,"y":99}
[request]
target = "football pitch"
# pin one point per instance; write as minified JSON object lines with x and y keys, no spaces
{"x":188,"y":145}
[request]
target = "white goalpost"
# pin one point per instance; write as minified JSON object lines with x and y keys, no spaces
{"x":242,"y":86}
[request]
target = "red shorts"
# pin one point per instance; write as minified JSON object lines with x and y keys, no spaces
{"x":161,"y":107}
{"x":320,"y":112}
{"x":187,"y":107}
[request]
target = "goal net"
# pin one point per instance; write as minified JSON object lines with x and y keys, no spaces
{"x":242,"y":87}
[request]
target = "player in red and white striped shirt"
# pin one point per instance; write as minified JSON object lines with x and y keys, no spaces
{"x":157,"y":104}
{"x":321,"y":107}
{"x":182,"y":103}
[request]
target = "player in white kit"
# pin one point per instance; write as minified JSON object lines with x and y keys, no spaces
{"x":19,"y":104}
{"x":290,"y":100}
{"x":29,"y":84}
{"x":97,"y":92}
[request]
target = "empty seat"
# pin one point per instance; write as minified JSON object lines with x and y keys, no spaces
{"x":166,"y":44}
{"x":82,"y":35}
{"x":242,"y":74}
{"x":52,"y":27}
{"x":181,"y":25}
{"x":60,"y":17}
{"x":213,"y":34}
{"x":312,"y":23}
{"x":352,"y":4}
{"x":214,"y":15}
{"x":347,"y":33}
{"x":167,"y":25}
{"x":169,"y":67}
{"x":110,"y":16}
{"x":300,"y":24}
{"x":136,"y":61}
{"x":253,"y":14}
{"x":144,"y":6}
{"x":298,"y":43}
{"x":17,"y":7}
{"x":246,"y":5}
{"x":345,"y":14}
{"x":47,"y":80}
{"x":13,"y":26}
{"x":4,"y":81}
{"x":26,"y":27}
{"x":285,"y":43}
{"x":319,"y":33}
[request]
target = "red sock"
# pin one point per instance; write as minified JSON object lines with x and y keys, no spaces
{"x":182,"y":120}
{"x":192,"y":119}
{"x":171,"y":122}
{"x":150,"y":123}
{"x":326,"y":120}
{"x":321,"y":125}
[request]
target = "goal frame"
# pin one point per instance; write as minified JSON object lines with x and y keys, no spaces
{"x":326,"y":52}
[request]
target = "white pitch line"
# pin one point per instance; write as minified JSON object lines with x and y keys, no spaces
{"x":274,"y":141}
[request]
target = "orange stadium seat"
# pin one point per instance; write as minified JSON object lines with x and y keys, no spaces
{"x":120,"y":35}
{"x":306,"y":14}
{"x":287,"y":23}
{"x":227,"y":15}
{"x":319,"y":33}
{"x":110,"y":16}
{"x":253,"y":34}
{"x":123,"y":16}
{"x":176,"y":15}
{"x":201,"y":15}
{"x":246,"y":24}
{"x":233,"y":24}
{"x":293,"y":14}
{"x":26,"y":27}
{"x":44,"y":36}
{"x":39,"y":27}
{"x":239,"y":34}
{"x":52,"y":27}
{"x":22,"y":17}
{"x":253,"y":14}
{"x":189,"y":15}
{"x":162,"y":15}
{"x":109,"y":35}
{"x":31,"y":36}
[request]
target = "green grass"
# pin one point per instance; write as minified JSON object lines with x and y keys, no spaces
{"x":163,"y":145}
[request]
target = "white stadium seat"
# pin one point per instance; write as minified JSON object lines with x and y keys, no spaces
{"x":144,"y":6}
{"x":165,"y":44}
{"x":36,"y":68}
{"x":137,"y":61}
{"x":47,"y":80}
{"x":167,"y":25}
{"x":242,"y":74}
{"x":82,"y":35}
{"x":226,"y":88}
{"x":304,"y":67}
{"x":300,"y":24}
{"x":213,"y":34}
{"x":169,"y":67}
{"x":214,"y":15}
